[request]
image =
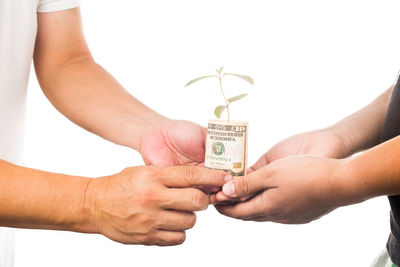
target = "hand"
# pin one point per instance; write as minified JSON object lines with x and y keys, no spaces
{"x":174,"y":143}
{"x":149,"y":205}
{"x":293,"y":190}
{"x":324,"y":143}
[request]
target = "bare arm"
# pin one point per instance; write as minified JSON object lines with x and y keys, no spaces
{"x":140,"y":205}
{"x":36,"y":199}
{"x":81,"y":89}
{"x":355,"y":133}
{"x":300,"y":189}
{"x":362,"y":129}
{"x":375,"y":172}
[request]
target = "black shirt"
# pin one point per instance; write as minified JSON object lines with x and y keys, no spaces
{"x":391,"y":129}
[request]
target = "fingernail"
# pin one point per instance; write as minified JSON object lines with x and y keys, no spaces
{"x":228,"y":178}
{"x":229,"y":189}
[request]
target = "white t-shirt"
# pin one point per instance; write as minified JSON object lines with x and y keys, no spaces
{"x":18,"y":27}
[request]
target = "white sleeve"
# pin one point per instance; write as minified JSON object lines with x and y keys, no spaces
{"x":56,"y":5}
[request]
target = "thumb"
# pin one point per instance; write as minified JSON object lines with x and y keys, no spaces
{"x":263,"y":161}
{"x":246,"y":185}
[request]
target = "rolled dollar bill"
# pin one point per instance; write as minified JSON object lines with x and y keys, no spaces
{"x":226,"y":147}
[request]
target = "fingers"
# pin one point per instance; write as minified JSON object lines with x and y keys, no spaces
{"x":246,"y":185}
{"x":189,"y":176}
{"x":168,"y":238}
{"x":185,"y":199}
{"x":221,"y":197}
{"x":208,"y":189}
{"x":240,"y":211}
{"x":250,"y":170}
{"x":177,"y":220}
{"x":259,"y":164}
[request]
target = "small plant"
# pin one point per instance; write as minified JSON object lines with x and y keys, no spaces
{"x":219,"y":109}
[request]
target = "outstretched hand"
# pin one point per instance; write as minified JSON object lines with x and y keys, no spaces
{"x":323,"y":143}
{"x":292,"y":190}
{"x":174,"y":143}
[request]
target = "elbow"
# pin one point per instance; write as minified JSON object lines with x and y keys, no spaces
{"x":50,"y":69}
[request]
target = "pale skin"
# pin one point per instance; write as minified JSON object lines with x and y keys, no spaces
{"x":308,"y":175}
{"x":140,"y":205}
{"x":89,"y":96}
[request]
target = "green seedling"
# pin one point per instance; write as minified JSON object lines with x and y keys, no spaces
{"x":220,"y":109}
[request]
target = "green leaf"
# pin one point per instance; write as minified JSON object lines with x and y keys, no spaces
{"x":220,"y":70}
{"x":243,"y":77}
{"x":200,"y":78}
{"x":218,"y":111}
{"x":236,"y":98}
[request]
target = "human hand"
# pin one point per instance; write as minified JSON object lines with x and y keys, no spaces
{"x":149,"y":205}
{"x":174,"y":143}
{"x":324,"y":143}
{"x":292,"y":190}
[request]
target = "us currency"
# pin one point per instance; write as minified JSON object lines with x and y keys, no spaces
{"x":226,"y":146}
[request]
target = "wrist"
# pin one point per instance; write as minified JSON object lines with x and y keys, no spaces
{"x":350,"y":187}
{"x":75,"y":215}
{"x":346,"y":146}
{"x":94,"y":193}
{"x":134,"y":128}
{"x":83,"y":219}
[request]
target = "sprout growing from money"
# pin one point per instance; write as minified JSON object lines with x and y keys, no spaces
{"x":219,"y":109}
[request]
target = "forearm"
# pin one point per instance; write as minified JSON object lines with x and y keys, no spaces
{"x":374,"y":173}
{"x":81,"y":89}
{"x":42,"y":200}
{"x":362,"y":129}
{"x":89,"y":96}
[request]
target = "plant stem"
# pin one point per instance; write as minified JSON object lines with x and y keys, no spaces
{"x":223,"y":94}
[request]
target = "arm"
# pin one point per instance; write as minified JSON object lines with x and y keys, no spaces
{"x":37,"y":199}
{"x":362,"y":129}
{"x":81,"y":89}
{"x":374,"y":173}
{"x":89,"y":96}
{"x":355,"y":133}
{"x":300,"y":189}
{"x":140,"y":205}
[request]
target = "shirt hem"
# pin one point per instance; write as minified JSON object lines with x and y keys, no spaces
{"x":58,"y":6}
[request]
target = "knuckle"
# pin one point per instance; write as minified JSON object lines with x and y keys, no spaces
{"x":127,"y":173}
{"x":200,"y":200}
{"x":149,"y":197}
{"x":177,"y":239}
{"x":147,"y":225}
{"x":180,"y":239}
{"x":191,"y":221}
{"x":242,"y":186}
{"x":191,"y":175}
{"x":149,"y":172}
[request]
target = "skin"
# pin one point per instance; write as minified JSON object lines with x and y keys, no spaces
{"x":90,"y":97}
{"x":308,"y":175}
{"x":140,"y":205}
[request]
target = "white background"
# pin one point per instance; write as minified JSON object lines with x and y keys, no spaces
{"x":313,"y":63}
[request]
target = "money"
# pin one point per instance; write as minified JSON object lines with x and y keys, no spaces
{"x":226,"y":147}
